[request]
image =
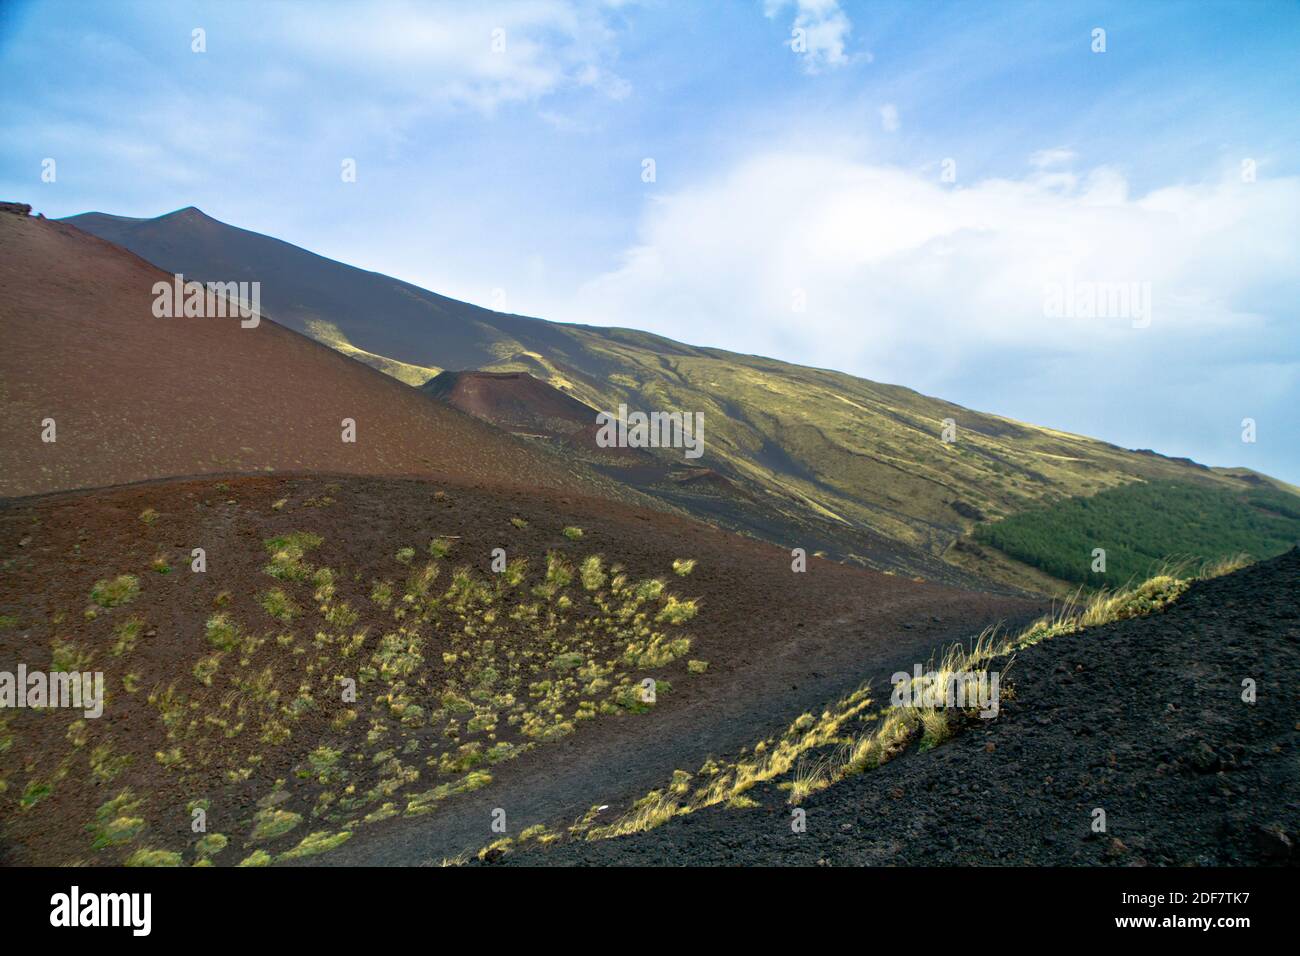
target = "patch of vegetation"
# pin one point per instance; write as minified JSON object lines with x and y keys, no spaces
{"x":117,"y":822}
{"x":317,"y":842}
{"x":572,"y":533}
{"x":270,"y":823}
{"x":677,"y":612}
{"x":106,"y":766}
{"x":151,"y":857}
{"x":210,"y":844}
{"x":717,"y":782}
{"x":1144,"y":525}
{"x":287,"y":555}
{"x":206,"y":668}
{"x":221,"y":632}
{"x":69,"y":656}
{"x":331,"y":335}
{"x":427,"y":801}
{"x":421,"y":692}
{"x":34,"y":793}
{"x":592,"y":573}
{"x":277,"y":603}
{"x":126,"y":634}
{"x":122,"y":589}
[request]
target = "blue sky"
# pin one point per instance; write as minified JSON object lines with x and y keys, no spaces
{"x":799,"y":153}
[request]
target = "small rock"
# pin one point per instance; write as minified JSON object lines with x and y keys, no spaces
{"x":1204,"y":759}
{"x":1273,"y":841}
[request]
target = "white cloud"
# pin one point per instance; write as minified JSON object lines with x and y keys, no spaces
{"x":1052,"y":157}
{"x":478,"y":55}
{"x":910,"y":281}
{"x":889,"y":118}
{"x":294,"y":86}
{"x":818,"y":33}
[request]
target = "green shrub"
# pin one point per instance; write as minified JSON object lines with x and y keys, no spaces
{"x":121,"y":590}
{"x":279,"y":605}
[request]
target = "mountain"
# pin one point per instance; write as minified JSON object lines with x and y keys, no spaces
{"x":309,"y":293}
{"x":133,"y":396}
{"x":610,"y":631}
{"x":826,"y":461}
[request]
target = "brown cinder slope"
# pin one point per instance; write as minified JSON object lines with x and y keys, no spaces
{"x":529,"y":407}
{"x":137,"y":397}
{"x":191,"y":715}
{"x":514,"y":400}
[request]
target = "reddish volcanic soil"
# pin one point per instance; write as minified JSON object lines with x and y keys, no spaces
{"x":776,"y":642}
{"x":137,"y":397}
{"x":524,"y":405}
{"x":514,"y":398}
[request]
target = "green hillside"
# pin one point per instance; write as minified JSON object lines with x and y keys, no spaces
{"x":1142,"y":525}
{"x":823,"y":460}
{"x":842,"y":450}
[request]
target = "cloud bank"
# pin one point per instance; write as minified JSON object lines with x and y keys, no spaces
{"x":896,"y":275}
{"x":819,"y":31}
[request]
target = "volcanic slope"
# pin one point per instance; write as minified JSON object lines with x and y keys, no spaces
{"x":349,"y":677}
{"x":524,"y":405}
{"x":132,"y":396}
{"x":851,"y":463}
{"x":1146,"y":719}
{"x":529,"y":407}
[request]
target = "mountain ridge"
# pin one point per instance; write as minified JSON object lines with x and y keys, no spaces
{"x":839,"y":464}
{"x":133,"y":397}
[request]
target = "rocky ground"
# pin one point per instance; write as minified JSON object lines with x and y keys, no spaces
{"x":774,"y":642}
{"x":1144,"y":720}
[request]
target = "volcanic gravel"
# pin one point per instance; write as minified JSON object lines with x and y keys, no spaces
{"x":1144,"y":719}
{"x":776,"y":641}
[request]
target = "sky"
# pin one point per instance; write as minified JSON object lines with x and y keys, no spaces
{"x":922,"y":193}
